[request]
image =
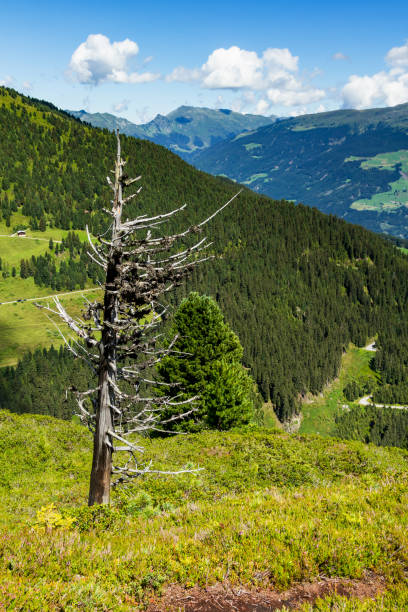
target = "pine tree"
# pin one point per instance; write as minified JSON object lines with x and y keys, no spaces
{"x":206,"y":362}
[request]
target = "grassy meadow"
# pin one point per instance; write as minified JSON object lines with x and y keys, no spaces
{"x":264,"y":510}
{"x":397,"y":195}
{"x":319,"y":412}
{"x":22,"y":326}
{"x":268,"y":510}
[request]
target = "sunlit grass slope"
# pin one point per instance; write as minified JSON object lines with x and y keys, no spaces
{"x":268,"y":509}
{"x":319,"y":413}
{"x":22,"y":326}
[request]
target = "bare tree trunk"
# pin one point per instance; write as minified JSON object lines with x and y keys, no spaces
{"x":139,"y":268}
{"x":100,"y":482}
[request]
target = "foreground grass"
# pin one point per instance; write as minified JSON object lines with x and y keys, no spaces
{"x":319,"y":413}
{"x":269,"y":509}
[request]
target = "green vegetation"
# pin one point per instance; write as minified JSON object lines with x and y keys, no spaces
{"x":252,"y":145}
{"x":264,"y":509}
{"x":268,"y":510}
{"x":207,"y":364}
{"x":254,"y":177}
{"x":23,"y":327}
{"x":295,"y":285}
{"x":397,"y":195}
{"x":41,"y":382}
{"x":334,"y":412}
{"x":379,"y":425}
{"x":320,"y":413}
{"x":334,"y":161}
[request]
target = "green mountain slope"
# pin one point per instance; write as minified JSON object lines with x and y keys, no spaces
{"x":294,"y":284}
{"x":186,"y":130}
{"x":353,"y":164}
{"x":268,"y":511}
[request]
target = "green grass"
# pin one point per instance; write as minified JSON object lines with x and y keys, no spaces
{"x":397,"y":196}
{"x":254,"y":177}
{"x":251,"y":146}
{"x":270,"y":420}
{"x":319,"y":412}
{"x":268,"y":510}
{"x":23,"y":327}
{"x":13,"y":250}
{"x":17,"y":218}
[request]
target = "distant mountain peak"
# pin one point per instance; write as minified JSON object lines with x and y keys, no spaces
{"x":185,"y":130}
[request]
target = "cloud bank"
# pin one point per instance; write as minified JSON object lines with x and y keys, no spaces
{"x":273,"y":77}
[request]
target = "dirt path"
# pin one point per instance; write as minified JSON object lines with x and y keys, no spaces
{"x":223,"y":597}
{"x":28,"y":238}
{"x":367,"y":401}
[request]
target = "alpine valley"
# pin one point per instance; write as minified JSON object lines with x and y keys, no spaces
{"x":249,"y":511}
{"x":296,"y":285}
{"x":353,"y":164}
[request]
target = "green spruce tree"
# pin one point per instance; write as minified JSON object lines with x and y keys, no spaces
{"x":206,"y":362}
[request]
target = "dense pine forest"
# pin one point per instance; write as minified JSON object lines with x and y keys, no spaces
{"x":40,"y":382}
{"x":381,"y":426}
{"x":295,"y":285}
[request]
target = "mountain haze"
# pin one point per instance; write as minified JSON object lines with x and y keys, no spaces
{"x":186,"y":130}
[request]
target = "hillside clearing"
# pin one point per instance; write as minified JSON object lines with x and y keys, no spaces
{"x":319,"y":413}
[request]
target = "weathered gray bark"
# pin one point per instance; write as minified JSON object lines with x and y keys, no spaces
{"x":100,"y":481}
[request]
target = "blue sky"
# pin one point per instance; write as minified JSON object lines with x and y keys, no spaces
{"x":136,"y":59}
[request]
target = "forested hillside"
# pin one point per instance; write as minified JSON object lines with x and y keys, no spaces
{"x":294,"y":284}
{"x":350,"y":163}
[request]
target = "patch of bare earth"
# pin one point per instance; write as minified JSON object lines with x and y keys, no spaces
{"x":240,"y":599}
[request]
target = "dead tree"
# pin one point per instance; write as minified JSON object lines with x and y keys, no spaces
{"x":119,"y":338}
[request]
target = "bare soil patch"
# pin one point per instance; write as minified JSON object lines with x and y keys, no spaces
{"x":243,"y":599}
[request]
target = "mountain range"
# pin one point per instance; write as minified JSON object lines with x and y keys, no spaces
{"x":184,"y":131}
{"x":353,"y":164}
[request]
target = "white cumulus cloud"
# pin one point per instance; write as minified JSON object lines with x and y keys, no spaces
{"x":385,"y":88}
{"x":280,"y":59}
{"x":232,"y":68}
{"x":271,"y":78}
{"x":262,"y":107}
{"x":98,"y":60}
{"x":398,"y":56}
